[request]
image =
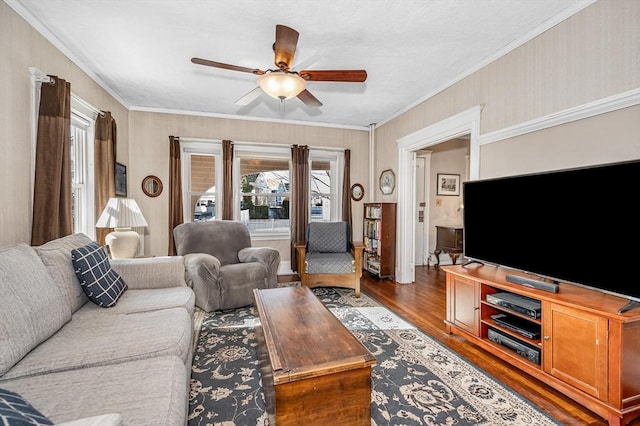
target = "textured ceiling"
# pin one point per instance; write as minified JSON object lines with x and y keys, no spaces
{"x":140,"y":50}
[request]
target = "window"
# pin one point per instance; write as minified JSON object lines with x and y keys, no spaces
{"x":261,"y":182}
{"x":201,"y":167}
{"x":263,"y":189}
{"x":79,"y":185}
{"x":82,"y":172}
{"x":325,"y":185}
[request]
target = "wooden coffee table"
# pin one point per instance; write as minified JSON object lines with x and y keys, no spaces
{"x":314,"y":371}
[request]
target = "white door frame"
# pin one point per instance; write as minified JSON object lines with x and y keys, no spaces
{"x":466,"y":122}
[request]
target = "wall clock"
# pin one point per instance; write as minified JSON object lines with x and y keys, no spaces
{"x":387,"y":181}
{"x":357,"y":192}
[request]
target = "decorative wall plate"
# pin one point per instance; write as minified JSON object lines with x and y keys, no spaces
{"x":387,"y":181}
{"x":357,"y":192}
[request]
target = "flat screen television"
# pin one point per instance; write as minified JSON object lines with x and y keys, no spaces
{"x":579,"y":226}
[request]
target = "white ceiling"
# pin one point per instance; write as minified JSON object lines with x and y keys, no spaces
{"x":140,"y":50}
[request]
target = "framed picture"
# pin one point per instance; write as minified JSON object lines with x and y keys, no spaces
{"x":448,"y":184}
{"x":121,"y":180}
{"x":387,"y":181}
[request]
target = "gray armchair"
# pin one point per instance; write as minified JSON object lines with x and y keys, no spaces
{"x":221,"y":266}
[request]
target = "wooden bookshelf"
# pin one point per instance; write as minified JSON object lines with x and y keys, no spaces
{"x":379,"y":237}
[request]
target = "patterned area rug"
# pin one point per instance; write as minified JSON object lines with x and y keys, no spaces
{"x":417,"y":381}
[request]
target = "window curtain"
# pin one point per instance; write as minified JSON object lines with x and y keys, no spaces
{"x":52,"y":216}
{"x":299,"y":198}
{"x":104,"y":168}
{"x":346,"y":191}
{"x":227,"y":180}
{"x":175,"y":191}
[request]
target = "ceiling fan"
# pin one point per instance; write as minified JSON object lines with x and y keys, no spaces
{"x":283,"y":83}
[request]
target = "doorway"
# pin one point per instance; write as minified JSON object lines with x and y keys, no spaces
{"x":466,"y":122}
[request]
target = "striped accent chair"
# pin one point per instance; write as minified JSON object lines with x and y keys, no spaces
{"x":328,"y":258}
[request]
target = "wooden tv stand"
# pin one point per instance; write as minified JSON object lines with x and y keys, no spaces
{"x":587,"y":350}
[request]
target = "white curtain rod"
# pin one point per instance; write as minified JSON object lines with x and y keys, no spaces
{"x":41,"y":77}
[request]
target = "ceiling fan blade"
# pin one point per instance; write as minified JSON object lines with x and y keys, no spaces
{"x":250,"y":97}
{"x":353,"y":76}
{"x":308,"y":99}
{"x":214,"y":64}
{"x":285,"y":46}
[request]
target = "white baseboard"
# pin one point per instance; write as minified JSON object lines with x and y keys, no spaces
{"x":285,"y":268}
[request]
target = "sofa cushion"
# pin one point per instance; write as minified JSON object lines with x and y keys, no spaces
{"x":99,"y":281}
{"x":110,"y":419}
{"x":31,"y":308}
{"x":56,"y":256}
{"x":15,"y":410}
{"x":145,"y":392}
{"x":96,"y":337}
{"x":147,"y":300}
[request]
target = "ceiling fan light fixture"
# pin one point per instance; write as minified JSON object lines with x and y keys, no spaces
{"x":282,"y":85}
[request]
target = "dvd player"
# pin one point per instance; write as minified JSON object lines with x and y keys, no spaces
{"x":517,"y":303}
{"x":522,"y":349}
{"x":519,"y":325}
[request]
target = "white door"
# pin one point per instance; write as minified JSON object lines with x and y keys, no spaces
{"x":421,"y":216}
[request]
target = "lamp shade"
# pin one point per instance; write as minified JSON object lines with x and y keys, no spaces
{"x":121,"y":213}
{"x":281,"y":85}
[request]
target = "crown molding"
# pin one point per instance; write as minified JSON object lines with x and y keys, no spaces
{"x":238,"y":117}
{"x":601,"y":106}
{"x":37,"y":25}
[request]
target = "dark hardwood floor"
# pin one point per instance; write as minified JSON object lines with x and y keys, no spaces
{"x":423,"y":304}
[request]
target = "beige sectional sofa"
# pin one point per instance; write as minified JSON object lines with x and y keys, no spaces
{"x":77,"y":362}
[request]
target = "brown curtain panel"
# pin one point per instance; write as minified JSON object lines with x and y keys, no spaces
{"x":175,"y":191}
{"x":52,"y":216}
{"x":227,"y":180}
{"x":299,"y":198}
{"x":346,"y":191}
{"x":104,"y":168}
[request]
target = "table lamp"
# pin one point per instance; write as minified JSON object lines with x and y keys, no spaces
{"x":122,"y":214}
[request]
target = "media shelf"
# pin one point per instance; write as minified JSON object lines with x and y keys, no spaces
{"x":577,"y":341}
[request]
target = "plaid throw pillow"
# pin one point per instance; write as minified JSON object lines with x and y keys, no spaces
{"x":100,"y":283}
{"x":14,"y":410}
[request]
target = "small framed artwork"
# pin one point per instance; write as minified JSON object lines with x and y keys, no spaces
{"x":448,"y":184}
{"x":121,"y":180}
{"x":387,"y":181}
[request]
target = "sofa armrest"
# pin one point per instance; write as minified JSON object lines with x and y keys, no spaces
{"x":153,"y":272}
{"x":267,"y":256}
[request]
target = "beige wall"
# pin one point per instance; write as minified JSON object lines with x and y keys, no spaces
{"x":590,"y":56}
{"x":605,"y":138}
{"x":21,"y":47}
{"x":149,"y":155}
